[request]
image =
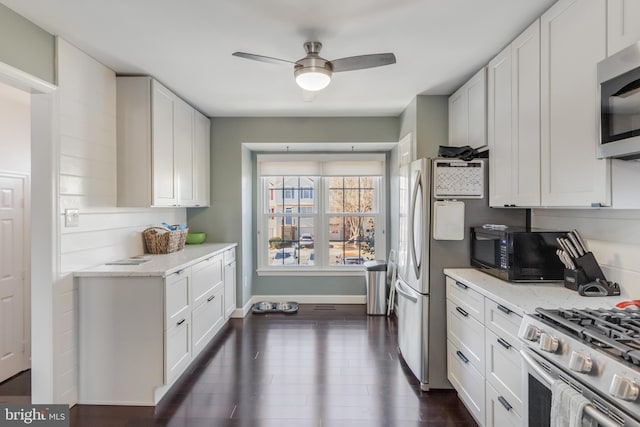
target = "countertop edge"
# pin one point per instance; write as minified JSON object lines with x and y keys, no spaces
{"x":523,"y":298}
{"x":161,"y":265}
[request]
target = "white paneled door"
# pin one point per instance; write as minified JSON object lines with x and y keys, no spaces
{"x":12,"y":358}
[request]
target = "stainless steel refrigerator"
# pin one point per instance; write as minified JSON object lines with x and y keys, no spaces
{"x":420,"y":288}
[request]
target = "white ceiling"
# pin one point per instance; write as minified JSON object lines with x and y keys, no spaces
{"x":187,"y":45}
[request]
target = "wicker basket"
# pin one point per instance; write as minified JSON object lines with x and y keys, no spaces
{"x":160,"y":240}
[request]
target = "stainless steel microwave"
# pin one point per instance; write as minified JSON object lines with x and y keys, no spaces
{"x":619,"y":105}
{"x":517,"y":254}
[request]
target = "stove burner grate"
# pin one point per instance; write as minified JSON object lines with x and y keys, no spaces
{"x":612,"y":330}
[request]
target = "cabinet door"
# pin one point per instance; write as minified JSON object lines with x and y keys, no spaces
{"x":202,"y":160}
{"x":207,"y":275}
{"x":467,"y":113}
{"x":229,"y":288}
{"x":573,"y":40}
{"x":164,"y":185}
{"x":525,"y":122}
{"x":477,"y":94}
{"x":177,"y":349}
{"x":183,"y":146}
{"x":499,"y":129}
{"x":208,"y":318}
{"x":459,"y":118}
{"x":622,"y":24}
{"x":500,"y":412}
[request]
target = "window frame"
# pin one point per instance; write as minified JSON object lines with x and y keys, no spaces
{"x":321,"y":216}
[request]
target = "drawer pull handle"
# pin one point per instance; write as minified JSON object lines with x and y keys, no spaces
{"x":181,"y":321}
{"x":462,"y":285}
{"x":504,"y":403}
{"x":461,"y":311}
{"x":210,"y":298}
{"x":179,"y":272}
{"x":504,"y":343}
{"x":504,"y":309}
{"x":462,"y":356}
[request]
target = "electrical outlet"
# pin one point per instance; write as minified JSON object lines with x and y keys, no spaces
{"x":72,"y":217}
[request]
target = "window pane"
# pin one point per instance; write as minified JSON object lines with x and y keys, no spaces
{"x":291,"y":241}
{"x":351,"y":195}
{"x":351,"y":240}
{"x":290,"y":194}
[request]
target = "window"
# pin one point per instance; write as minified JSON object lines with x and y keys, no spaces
{"x":320,"y":215}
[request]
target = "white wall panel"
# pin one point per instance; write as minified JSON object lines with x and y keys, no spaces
{"x":87,"y":181}
{"x":612,"y":235}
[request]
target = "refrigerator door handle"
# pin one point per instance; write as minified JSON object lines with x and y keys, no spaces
{"x":400,"y":291}
{"x":412,"y":221}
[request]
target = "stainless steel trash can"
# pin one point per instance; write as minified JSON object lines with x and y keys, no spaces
{"x":376,"y":281}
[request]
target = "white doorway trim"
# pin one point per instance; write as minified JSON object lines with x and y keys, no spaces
{"x":44,"y":226}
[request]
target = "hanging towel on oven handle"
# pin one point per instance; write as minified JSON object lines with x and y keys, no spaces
{"x":567,"y":406}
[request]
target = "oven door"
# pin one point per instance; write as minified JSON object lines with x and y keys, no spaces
{"x":538,"y":376}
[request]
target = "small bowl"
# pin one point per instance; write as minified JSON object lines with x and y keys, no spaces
{"x":195,"y":238}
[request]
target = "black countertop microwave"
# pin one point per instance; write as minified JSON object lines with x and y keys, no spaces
{"x":517,"y":254}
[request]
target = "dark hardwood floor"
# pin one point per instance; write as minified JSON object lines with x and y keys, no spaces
{"x":324,"y":366}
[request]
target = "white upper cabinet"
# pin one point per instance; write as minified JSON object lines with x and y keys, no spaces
{"x":202,"y":149}
{"x":513,"y":122}
{"x":623,"y":24}
{"x":573,"y":38}
{"x":467,"y":113}
{"x":183,"y":145}
{"x":158,"y":147}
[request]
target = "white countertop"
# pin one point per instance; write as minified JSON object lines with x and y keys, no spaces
{"x":525,"y":297}
{"x":159,"y":265}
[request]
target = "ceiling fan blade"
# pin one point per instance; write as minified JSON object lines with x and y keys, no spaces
{"x":363,"y":61}
{"x":261,"y":58}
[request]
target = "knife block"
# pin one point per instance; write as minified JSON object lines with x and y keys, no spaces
{"x":590,"y":266}
{"x":573,"y":279}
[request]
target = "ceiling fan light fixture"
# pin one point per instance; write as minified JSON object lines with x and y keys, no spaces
{"x":312,"y":78}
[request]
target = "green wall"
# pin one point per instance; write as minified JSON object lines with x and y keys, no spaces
{"x":223,"y":220}
{"x":26,"y":46}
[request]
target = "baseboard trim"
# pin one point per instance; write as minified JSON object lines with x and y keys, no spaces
{"x":301,"y":299}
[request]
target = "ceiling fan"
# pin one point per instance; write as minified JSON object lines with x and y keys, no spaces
{"x":313,"y":72}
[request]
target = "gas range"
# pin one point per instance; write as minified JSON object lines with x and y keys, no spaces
{"x":596,"y":351}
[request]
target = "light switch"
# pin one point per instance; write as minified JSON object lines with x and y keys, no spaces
{"x":71,"y":217}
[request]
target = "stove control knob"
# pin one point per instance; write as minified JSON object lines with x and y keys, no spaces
{"x":580,"y":362}
{"x":548,"y":343}
{"x":531,"y":333}
{"x":624,"y":388}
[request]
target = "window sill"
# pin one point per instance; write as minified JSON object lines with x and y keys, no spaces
{"x":295,"y":271}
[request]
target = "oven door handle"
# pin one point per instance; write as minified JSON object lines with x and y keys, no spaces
{"x":589,"y":410}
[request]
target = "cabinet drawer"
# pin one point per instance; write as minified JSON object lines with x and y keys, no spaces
{"x":207,"y":319}
{"x":176,"y":296}
{"x":468,"y":382}
{"x":229,"y":256}
{"x":502,"y":321}
{"x":177,"y":349}
{"x":498,"y":412}
{"x":466,"y":333}
{"x":206,"y":275}
{"x":465,"y":297}
{"x":503,"y":370}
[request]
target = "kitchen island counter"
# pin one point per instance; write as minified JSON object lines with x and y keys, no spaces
{"x":526,"y":297}
{"x":159,"y":265}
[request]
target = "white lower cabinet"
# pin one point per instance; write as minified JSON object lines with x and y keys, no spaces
{"x":484,"y":355}
{"x":207,"y":319}
{"x":177,"y":349}
{"x":138,"y":334}
{"x":467,"y":380}
{"x":499,"y":411}
{"x":229,"y":282}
